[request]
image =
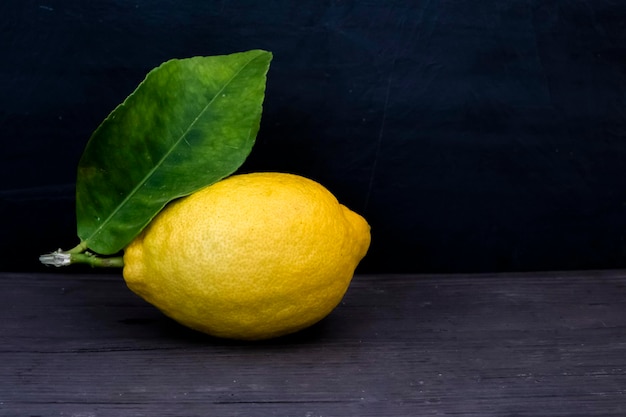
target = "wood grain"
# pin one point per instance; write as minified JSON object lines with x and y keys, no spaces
{"x":544,"y":344}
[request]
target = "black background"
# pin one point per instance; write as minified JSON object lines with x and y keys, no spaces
{"x":473,"y":136}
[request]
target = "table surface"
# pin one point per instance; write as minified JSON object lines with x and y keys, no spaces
{"x":540,"y":344}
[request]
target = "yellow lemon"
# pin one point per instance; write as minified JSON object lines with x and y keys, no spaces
{"x":253,"y":256}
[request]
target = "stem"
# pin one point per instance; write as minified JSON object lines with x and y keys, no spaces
{"x":97,"y":262}
{"x":79,"y":255}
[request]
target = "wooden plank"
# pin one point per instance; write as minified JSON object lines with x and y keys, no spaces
{"x":550,"y":344}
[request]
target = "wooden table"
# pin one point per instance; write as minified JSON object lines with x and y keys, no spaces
{"x":541,"y":344}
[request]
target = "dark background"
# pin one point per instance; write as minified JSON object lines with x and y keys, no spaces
{"x":473,"y":135}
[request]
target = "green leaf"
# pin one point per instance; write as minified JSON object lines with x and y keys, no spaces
{"x":190,"y":123}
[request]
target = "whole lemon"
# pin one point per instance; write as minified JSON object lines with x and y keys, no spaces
{"x":253,"y":256}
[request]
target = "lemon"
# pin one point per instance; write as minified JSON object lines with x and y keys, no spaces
{"x":253,"y":256}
